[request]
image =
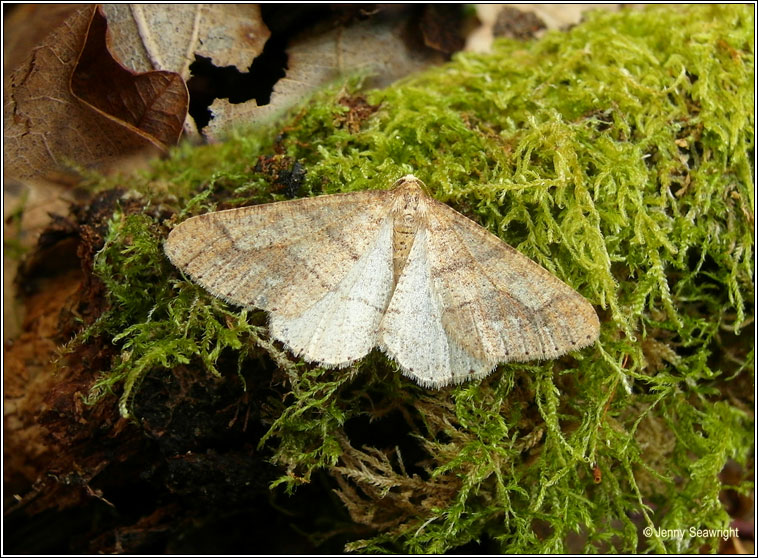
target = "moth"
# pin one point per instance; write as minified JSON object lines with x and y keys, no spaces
{"x":395,"y":269}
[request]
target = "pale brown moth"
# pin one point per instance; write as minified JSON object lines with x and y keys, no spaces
{"x":394,"y":269}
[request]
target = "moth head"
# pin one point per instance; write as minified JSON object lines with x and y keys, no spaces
{"x":409,"y":197}
{"x":410,"y":181}
{"x":410,"y":184}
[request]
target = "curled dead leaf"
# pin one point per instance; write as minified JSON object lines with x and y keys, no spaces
{"x":170,"y":37}
{"x":53,"y":119}
{"x":153,"y":103}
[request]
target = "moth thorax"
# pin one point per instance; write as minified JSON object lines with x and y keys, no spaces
{"x":408,"y":212}
{"x":403,"y":232}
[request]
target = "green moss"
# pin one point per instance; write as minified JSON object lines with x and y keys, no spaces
{"x":618,"y":156}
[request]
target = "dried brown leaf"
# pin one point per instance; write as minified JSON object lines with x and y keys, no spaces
{"x":376,"y":48}
{"x":440,"y":27}
{"x":516,"y":24}
{"x":47,"y":126}
{"x":153,"y":103}
{"x":26,"y":26}
{"x":147,"y":37}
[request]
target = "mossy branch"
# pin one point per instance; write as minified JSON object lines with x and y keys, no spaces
{"x":616,"y":154}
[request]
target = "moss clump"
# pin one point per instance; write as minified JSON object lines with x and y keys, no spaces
{"x":617,"y":155}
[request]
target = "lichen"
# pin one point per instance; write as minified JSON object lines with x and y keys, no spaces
{"x":618,"y":156}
